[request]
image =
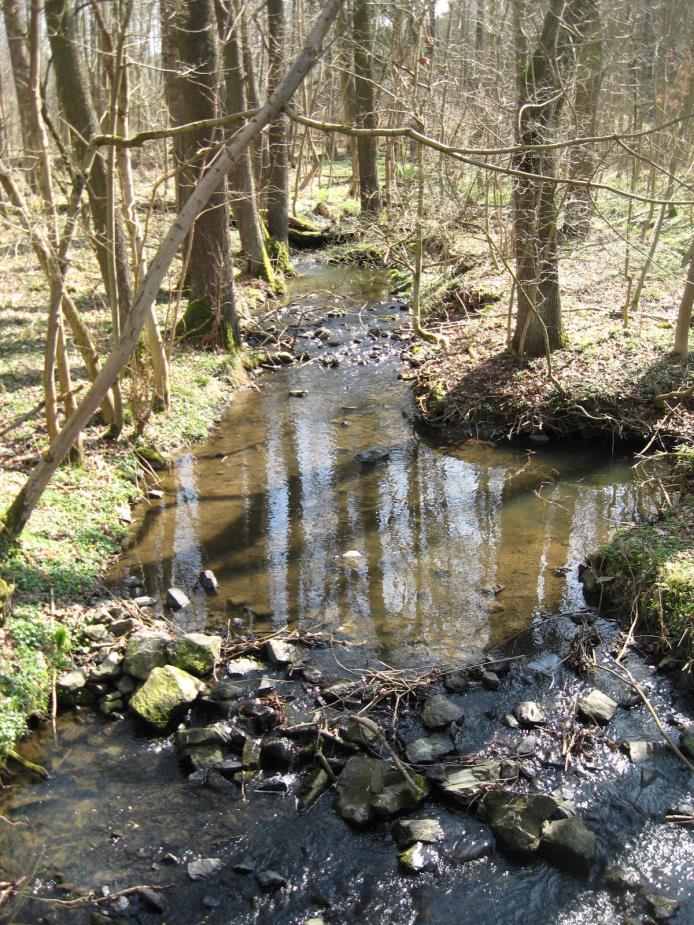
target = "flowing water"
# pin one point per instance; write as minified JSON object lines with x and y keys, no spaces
{"x":460,"y":548}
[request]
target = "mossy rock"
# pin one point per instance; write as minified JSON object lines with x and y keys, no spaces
{"x":196,"y":653}
{"x":164,"y":696}
{"x":152,"y":458}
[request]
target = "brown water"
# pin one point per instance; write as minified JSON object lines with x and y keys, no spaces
{"x":459,"y":545}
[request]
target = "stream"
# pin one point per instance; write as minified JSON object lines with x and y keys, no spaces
{"x":416,"y":554}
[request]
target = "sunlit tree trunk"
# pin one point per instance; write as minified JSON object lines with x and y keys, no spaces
{"x":277,"y":187}
{"x":369,"y":187}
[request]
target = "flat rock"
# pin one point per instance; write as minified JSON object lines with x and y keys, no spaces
{"x":620,"y":880}
{"x":661,"y":907}
{"x":202,"y":757}
{"x":164,"y":695}
{"x":368,"y":788}
{"x":464,"y":784}
{"x":517,"y":818}
{"x":313,"y":785}
{"x":203,"y":868}
{"x":408,"y":831}
{"x":196,"y":653}
{"x":529,"y":713}
{"x":640,"y":751}
{"x":71,"y":681}
{"x":217,"y":734}
{"x":279,"y":652}
{"x":123,"y":627}
{"x":570,"y":844}
{"x":596,"y":707}
{"x":145,"y":651}
{"x":419,"y":858}
{"x":240,"y":667}
{"x":429,"y":748}
{"x":441,"y":711}
{"x":144,"y":600}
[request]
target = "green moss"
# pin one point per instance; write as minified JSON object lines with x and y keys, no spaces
{"x":279,"y":254}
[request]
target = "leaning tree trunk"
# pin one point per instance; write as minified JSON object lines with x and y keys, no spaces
{"x":277,"y":186}
{"x":211,"y":313}
{"x":242,"y":192}
{"x":684,"y":315}
{"x":538,"y":320}
{"x":369,"y":188}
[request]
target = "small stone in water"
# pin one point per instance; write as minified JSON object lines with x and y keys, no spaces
{"x":352,"y":554}
{"x":440,"y":711}
{"x":597,"y":707}
{"x":408,"y":831}
{"x":270,"y":880}
{"x":528,"y":713}
{"x":176,"y":599}
{"x":203,"y":868}
{"x":208,"y":581}
{"x":419,"y":858}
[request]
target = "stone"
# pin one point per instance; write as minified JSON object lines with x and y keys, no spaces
{"x":596,"y":707}
{"x":202,"y":757}
{"x":145,"y":601}
{"x":687,"y":743}
{"x":176,"y":599}
{"x":70,"y":682}
{"x":360,"y":735}
{"x":277,"y":753}
{"x":662,"y":907}
{"x":229,"y":768}
{"x":408,"y":831}
{"x":270,"y":881}
{"x":145,"y":651}
{"x":279,"y":652}
{"x":472,"y":848}
{"x":122,"y":627}
{"x":511,"y":721}
{"x":640,"y":751}
{"x":419,"y":858}
{"x":441,"y":711}
{"x":203,"y":868}
{"x":570,"y":844}
{"x":125,"y":685}
{"x":526,"y":746}
{"x":109,"y":669}
{"x":429,"y":748}
{"x":241,"y":667}
{"x":228,"y":690}
{"x":462,"y":785}
{"x":132,"y":581}
{"x":341,"y":690}
{"x":196,"y":653}
{"x":620,"y":880}
{"x":250,"y":756}
{"x":217,"y":734}
{"x":314,"y":784}
{"x":457,"y":682}
{"x":370,"y":787}
{"x":164,"y":695}
{"x":152,"y":900}
{"x":529,"y":713}
{"x":517,"y":818}
{"x":96,"y":632}
{"x":491,"y":681}
{"x":263,"y":714}
{"x":373,"y":455}
{"x":208,"y":581}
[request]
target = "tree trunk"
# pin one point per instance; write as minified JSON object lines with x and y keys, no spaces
{"x":241,"y":181}
{"x":210,"y":278}
{"x":684,"y":315}
{"x":15,"y":28}
{"x":174,"y":104}
{"x":277,"y":187}
{"x":369,"y":188}
{"x":538,"y":321}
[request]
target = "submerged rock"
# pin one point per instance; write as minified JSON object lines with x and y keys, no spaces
{"x":419,"y":858}
{"x":517,"y":818}
{"x":164,"y":695}
{"x":441,"y":711}
{"x":408,"y":831}
{"x":464,"y":784}
{"x":269,"y":880}
{"x":196,"y":653}
{"x":145,"y":651}
{"x":570,"y":844}
{"x":472,"y":848}
{"x":370,"y":787}
{"x":374,"y":454}
{"x":314,"y":784}
{"x":596,"y":707}
{"x":429,"y":748}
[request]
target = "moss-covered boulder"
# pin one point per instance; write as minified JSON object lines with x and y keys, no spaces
{"x":145,"y":651}
{"x":196,"y":653}
{"x":166,"y":693}
{"x":369,"y":788}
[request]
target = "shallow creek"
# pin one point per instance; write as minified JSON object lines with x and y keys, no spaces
{"x":461,"y":549}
